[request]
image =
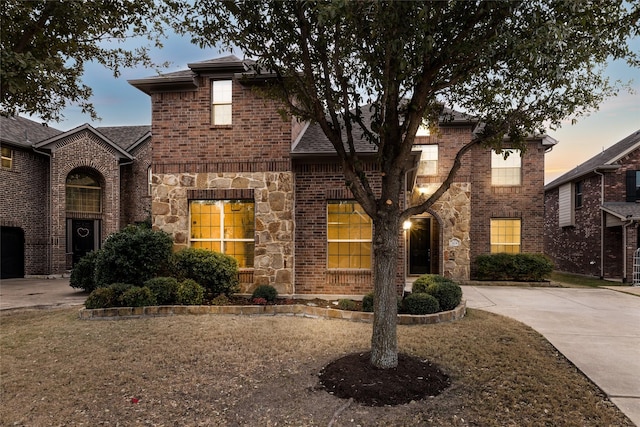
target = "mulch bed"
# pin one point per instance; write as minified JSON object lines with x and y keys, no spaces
{"x":353,"y":377}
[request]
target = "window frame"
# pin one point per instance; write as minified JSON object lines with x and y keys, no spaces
{"x":221,"y":98}
{"x":360,"y":256}
{"x":578,"y":194}
{"x":222,"y":240}
{"x":499,"y":163}
{"x":76,"y":187}
{"x":493,"y":232}
{"x":6,"y":158}
{"x":428,"y":165}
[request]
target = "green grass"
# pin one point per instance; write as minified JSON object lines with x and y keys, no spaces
{"x":578,"y":280}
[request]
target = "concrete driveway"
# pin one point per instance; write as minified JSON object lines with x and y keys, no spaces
{"x":598,"y":330}
{"x":39,"y":293}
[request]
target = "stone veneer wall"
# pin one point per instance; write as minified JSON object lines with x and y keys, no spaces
{"x":273,"y":195}
{"x":453,"y":212}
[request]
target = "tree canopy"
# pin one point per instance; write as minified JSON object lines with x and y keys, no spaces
{"x":46,"y":43}
{"x":516,"y":66}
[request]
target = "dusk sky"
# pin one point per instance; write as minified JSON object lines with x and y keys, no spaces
{"x":118,"y":104}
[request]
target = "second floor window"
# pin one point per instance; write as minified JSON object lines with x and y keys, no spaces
{"x":577,"y":190}
{"x":633,"y":186}
{"x":221,"y":102}
{"x":506,"y":172}
{"x":348,"y":235}
{"x":7,"y":157}
{"x":428,"y":159}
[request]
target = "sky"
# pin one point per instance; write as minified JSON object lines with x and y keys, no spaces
{"x":120,"y":104}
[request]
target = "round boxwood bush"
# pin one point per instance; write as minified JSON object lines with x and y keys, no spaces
{"x":137,"y":296}
{"x":101,"y":298}
{"x":420,"y":303}
{"x":347,"y":304}
{"x":367,"y":303}
{"x":134,"y":255}
{"x":82,"y":275}
{"x":164,"y":289}
{"x":217,"y":272}
{"x":267,"y":292}
{"x":189,"y":292}
{"x":422,"y":283}
{"x":448,"y":294}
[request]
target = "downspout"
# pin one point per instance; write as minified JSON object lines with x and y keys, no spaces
{"x":50,"y":210}
{"x":602,"y":222}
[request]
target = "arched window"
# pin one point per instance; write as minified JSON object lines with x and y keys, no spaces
{"x":84,"y":193}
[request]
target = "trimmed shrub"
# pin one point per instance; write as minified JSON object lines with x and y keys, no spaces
{"x":347,"y":304}
{"x":101,"y":298}
{"x":420,"y":303}
{"x":447,"y":292}
{"x":82,"y":275}
{"x":134,"y":255}
{"x":137,"y":296}
{"x":189,"y":293}
{"x":519,"y":267}
{"x":422,"y":283}
{"x":221,"y":299}
{"x":217,"y":272}
{"x":164,"y":289}
{"x":367,"y":303}
{"x":267,"y":292}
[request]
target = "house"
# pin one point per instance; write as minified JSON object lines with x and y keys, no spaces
{"x":63,"y":193}
{"x":231,"y":175}
{"x":592,"y":213}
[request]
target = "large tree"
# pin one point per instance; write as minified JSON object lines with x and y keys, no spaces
{"x":45,"y":44}
{"x":518,"y":67}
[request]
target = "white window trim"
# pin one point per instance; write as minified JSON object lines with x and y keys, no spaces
{"x":499,"y":162}
{"x":330,"y":202}
{"x":215,"y":121}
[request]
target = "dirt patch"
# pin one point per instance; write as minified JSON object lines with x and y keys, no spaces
{"x":353,"y":377}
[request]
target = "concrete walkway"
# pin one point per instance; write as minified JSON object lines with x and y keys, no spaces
{"x":597,"y":329}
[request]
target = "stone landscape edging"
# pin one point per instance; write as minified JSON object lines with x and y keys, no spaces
{"x":298,"y":310}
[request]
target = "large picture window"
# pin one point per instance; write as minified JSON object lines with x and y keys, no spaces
{"x":349,"y":235}
{"x":221,"y":102}
{"x":83,"y":193}
{"x":226,"y":226}
{"x":505,"y":235}
{"x":506,"y":172}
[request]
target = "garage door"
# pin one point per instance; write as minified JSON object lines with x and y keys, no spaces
{"x":12,"y":250}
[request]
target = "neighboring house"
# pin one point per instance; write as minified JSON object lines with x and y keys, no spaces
{"x":231,"y":175}
{"x":592,"y":213}
{"x":62,"y":193}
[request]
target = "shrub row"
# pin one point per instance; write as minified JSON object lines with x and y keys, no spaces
{"x":157,"y":291}
{"x":519,"y":267}
{"x":431,"y":293}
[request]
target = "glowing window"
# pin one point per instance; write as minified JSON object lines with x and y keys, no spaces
{"x":505,"y":235}
{"x":349,"y":235}
{"x":226,"y":226}
{"x":7,"y":157}
{"x":428,"y":159}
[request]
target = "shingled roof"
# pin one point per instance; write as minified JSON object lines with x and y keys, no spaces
{"x":23,"y":132}
{"x":604,"y":160}
{"x":314,"y":142}
{"x":125,"y":136}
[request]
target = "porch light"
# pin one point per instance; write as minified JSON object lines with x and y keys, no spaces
{"x":406,"y":225}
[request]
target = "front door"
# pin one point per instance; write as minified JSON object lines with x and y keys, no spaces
{"x":420,"y":246}
{"x":83,"y":237}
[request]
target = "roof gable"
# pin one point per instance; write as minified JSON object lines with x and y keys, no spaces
{"x":604,"y":160}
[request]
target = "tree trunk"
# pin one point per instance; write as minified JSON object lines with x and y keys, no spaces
{"x":384,"y":341}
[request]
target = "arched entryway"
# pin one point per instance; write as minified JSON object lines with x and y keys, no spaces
{"x":84,"y":204}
